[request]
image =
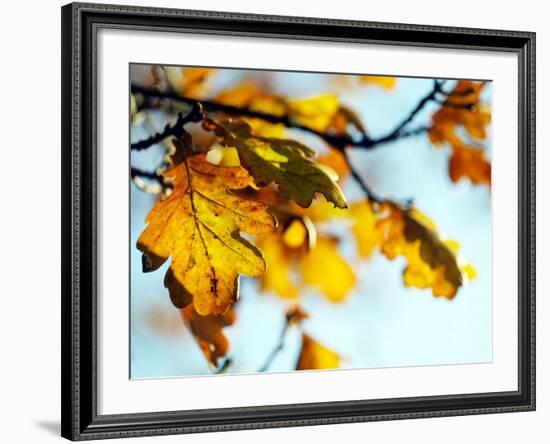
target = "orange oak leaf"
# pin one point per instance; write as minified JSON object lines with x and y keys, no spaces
{"x":463,"y":110}
{"x":199,"y":226}
{"x":471,"y":163}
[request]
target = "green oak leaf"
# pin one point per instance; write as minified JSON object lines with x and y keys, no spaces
{"x":287,"y":163}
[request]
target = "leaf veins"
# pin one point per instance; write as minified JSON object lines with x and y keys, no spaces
{"x":199,"y":226}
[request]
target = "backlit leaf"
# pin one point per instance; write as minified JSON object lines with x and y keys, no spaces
{"x":285,"y":162}
{"x":432,"y":262}
{"x":199,"y":225}
{"x":365,"y":228}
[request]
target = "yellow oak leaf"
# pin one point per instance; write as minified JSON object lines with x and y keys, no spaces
{"x":199,"y":225}
{"x":207,"y":331}
{"x":432,"y":262}
{"x":287,"y":163}
{"x":326,"y":270}
{"x":314,"y":112}
{"x":320,"y":113}
{"x":314,"y":356}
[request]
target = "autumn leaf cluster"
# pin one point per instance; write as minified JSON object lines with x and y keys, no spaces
{"x":242,"y":196}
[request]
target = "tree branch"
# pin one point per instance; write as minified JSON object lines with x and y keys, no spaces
{"x":176,"y":130}
{"x":150,"y":95}
{"x":339,"y":141}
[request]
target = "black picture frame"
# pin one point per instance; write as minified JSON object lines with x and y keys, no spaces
{"x":79,"y":170}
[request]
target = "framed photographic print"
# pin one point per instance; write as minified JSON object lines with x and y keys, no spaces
{"x":281,"y":221}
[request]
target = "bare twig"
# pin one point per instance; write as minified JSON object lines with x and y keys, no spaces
{"x":175,"y":130}
{"x":294,"y":316}
{"x":278,"y":347}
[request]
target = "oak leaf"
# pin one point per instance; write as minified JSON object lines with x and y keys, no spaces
{"x":314,"y":112}
{"x":432,"y":262}
{"x":317,"y":264}
{"x":278,"y":275}
{"x":365,"y":228}
{"x":199,"y":225}
{"x":463,"y":109}
{"x":314,"y":356}
{"x":325,"y":269}
{"x":471,"y":163}
{"x":207,"y":331}
{"x":287,"y":163}
{"x":321,"y":113}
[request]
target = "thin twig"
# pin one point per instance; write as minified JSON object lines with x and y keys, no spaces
{"x":278,"y":347}
{"x":175,"y":130}
{"x":137,"y":172}
{"x":395,"y":134}
{"x":370,"y":195}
